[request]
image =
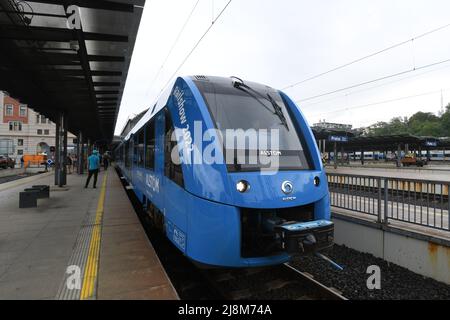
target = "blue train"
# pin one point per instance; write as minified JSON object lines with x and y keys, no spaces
{"x":220,"y":197}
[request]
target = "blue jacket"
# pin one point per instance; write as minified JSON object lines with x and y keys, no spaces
{"x":94,"y":162}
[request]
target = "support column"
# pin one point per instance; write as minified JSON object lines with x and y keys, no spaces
{"x":362,"y":156}
{"x":63,"y":180}
{"x":399,"y":155}
{"x":61,"y":151}
{"x":57,"y":149}
{"x":335,"y":155}
{"x":80,"y":155}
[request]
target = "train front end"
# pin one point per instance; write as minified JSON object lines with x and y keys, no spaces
{"x":260,"y":193}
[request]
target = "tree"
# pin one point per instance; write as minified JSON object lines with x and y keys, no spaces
{"x":445,"y":122}
{"x":420,"y":124}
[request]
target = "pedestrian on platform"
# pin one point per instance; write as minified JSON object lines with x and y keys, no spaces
{"x":93,"y":166}
{"x":69,"y":164}
{"x":105,"y":161}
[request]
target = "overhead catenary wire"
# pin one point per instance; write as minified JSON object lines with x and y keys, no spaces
{"x":175,"y":43}
{"x":411,"y":40}
{"x":374,"y":80}
{"x":374,"y":87}
{"x":381,"y":102}
{"x":195,"y":46}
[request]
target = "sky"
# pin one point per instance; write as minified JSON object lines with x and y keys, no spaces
{"x":280,"y":43}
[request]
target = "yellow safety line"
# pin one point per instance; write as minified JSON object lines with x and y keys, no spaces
{"x":91,"y":267}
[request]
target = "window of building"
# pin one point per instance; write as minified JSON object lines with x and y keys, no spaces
{"x":39,"y":131}
{"x":46,"y":132}
{"x":9,"y":109}
{"x":43,"y":120}
{"x":37,"y":118}
{"x":20,"y":142}
{"x":19,"y":152}
{"x":23,"y":110}
{"x":15,"y":126}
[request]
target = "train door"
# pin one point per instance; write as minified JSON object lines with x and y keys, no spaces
{"x":176,"y":202}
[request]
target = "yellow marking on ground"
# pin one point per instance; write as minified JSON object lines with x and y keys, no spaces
{"x":91,"y":267}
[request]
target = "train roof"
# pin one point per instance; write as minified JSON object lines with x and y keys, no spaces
{"x":154,"y":109}
{"x":163,"y":98}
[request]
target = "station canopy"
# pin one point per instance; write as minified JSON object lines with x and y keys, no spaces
{"x":54,"y":64}
{"x":391,"y":142}
{"x":378,"y":143}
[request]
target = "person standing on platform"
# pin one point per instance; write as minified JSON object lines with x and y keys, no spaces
{"x":93,"y":166}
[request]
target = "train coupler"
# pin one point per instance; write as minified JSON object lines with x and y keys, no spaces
{"x":305,"y":237}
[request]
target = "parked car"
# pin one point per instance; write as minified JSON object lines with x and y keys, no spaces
{"x":6,"y":162}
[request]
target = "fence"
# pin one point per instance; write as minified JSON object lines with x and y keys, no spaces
{"x":421,"y":202}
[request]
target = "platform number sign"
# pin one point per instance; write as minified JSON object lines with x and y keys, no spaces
{"x":338,"y":138}
{"x":429,"y":143}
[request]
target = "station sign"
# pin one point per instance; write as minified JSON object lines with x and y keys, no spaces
{"x":338,"y":138}
{"x":429,"y":143}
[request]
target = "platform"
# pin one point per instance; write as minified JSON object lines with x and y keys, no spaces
{"x":79,"y":244}
{"x":437,"y":173}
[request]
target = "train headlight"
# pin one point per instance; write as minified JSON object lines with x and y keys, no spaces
{"x":242,"y":186}
{"x":316,"y":181}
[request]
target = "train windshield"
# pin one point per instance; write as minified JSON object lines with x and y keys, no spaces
{"x":249,"y":112}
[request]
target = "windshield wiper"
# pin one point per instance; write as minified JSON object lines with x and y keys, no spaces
{"x":277,"y":109}
{"x":254,"y":96}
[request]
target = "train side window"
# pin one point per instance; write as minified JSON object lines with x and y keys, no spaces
{"x":172,"y":167}
{"x":150,"y":145}
{"x":127,"y":154}
{"x":140,"y":148}
{"x":134,"y":150}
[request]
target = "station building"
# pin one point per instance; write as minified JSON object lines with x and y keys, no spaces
{"x":24,"y":131}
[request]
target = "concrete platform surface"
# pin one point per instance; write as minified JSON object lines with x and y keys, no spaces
{"x":79,"y":244}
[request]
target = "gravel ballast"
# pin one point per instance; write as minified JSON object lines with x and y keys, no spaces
{"x":396,"y":282}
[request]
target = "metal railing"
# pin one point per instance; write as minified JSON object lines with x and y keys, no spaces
{"x":420,"y":202}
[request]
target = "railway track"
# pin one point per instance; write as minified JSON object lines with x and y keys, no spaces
{"x":283,"y":282}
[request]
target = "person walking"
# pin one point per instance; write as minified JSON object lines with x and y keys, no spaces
{"x":105,"y":161}
{"x":69,"y":164}
{"x":93,"y":166}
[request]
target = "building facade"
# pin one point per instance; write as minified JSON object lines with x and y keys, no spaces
{"x":24,"y":131}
